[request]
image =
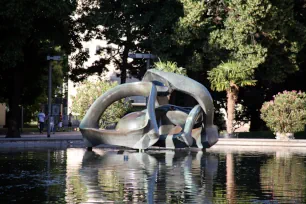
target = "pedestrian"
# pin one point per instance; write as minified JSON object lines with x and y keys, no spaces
{"x":70,"y":122}
{"x":60,"y":122}
{"x":41,"y":120}
{"x":52,"y":129}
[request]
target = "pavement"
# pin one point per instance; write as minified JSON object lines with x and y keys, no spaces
{"x":59,"y":140}
{"x":73,"y":135}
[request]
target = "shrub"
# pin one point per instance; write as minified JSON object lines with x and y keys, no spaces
{"x":88,"y":92}
{"x":169,"y":66}
{"x":286,"y":113}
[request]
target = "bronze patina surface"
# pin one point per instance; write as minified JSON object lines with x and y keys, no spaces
{"x":161,"y":123}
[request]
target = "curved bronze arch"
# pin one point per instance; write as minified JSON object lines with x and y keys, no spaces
{"x":89,"y":125}
{"x":197,"y":91}
{"x":185,"y":85}
{"x":152,"y":130}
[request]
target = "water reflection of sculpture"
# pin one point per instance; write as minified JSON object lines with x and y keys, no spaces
{"x":156,"y":177}
{"x":172,"y":125}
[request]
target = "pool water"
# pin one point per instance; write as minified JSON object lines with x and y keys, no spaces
{"x":75,"y":175}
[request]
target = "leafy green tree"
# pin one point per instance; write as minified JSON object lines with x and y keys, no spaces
{"x":128,"y":27}
{"x":88,"y":92}
{"x":248,"y":32}
{"x":230,"y":77}
{"x":191,"y":48}
{"x":30,"y":30}
{"x":238,"y":36}
{"x":283,"y":34}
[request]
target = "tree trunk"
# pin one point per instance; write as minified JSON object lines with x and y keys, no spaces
{"x":231,"y":102}
{"x":124,"y":65}
{"x":14,"y":102}
{"x":230,"y":179}
{"x":125,"y":56}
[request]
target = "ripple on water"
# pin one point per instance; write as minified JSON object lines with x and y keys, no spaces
{"x":77,"y":176}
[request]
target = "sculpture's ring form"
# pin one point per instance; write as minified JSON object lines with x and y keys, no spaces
{"x":155,"y":124}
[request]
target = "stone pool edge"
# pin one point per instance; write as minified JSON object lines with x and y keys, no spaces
{"x":76,"y":140}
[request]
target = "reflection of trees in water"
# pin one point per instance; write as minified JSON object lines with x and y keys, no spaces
{"x":32,"y":176}
{"x":285,"y":178}
{"x":237,"y":179}
{"x":168,"y":177}
{"x":114,"y":176}
{"x":76,"y":191}
{"x":111,"y":186}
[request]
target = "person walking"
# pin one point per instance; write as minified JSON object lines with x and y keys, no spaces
{"x":52,"y":129}
{"x":60,"y":122}
{"x":70,"y":117}
{"x":41,"y":120}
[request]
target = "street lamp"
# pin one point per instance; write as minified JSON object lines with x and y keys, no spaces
{"x":142,"y":56}
{"x":50,"y":58}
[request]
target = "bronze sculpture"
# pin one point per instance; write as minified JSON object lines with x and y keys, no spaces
{"x":160,"y":123}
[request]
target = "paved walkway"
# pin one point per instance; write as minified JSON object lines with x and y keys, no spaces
{"x":75,"y":135}
{"x":59,"y":140}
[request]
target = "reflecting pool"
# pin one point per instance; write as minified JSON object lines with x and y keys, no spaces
{"x":75,"y":175}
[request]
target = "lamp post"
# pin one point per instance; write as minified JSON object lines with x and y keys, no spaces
{"x":143,"y":56}
{"x":50,"y":59}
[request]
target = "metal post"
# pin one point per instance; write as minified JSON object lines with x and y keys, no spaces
{"x":148,"y":67}
{"x":21,"y":118}
{"x":49,"y":97}
{"x":148,"y":63}
{"x":50,"y":58}
{"x":143,"y":56}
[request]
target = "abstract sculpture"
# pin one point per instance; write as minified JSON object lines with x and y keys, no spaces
{"x":160,"y":123}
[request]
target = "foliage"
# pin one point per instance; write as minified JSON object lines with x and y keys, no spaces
{"x":30,"y":30}
{"x":283,"y":33}
{"x":169,"y":66}
{"x":191,"y":48}
{"x":229,"y":77}
{"x":261,"y":33}
{"x":127,"y":27}
{"x":237,"y":37}
{"x":229,"y":74}
{"x":88,"y":92}
{"x":286,"y":113}
{"x":248,"y":32}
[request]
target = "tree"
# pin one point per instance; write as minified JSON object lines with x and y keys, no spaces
{"x":191,"y":47}
{"x":127,"y":26}
{"x":283,"y":34}
{"x":252,"y":35}
{"x":30,"y":30}
{"x":230,"y":77}
{"x":88,"y":92}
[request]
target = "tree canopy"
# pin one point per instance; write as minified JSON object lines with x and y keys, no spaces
{"x":127,"y":27}
{"x":30,"y":30}
{"x":250,"y":33}
{"x":260,"y":40}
